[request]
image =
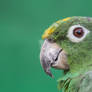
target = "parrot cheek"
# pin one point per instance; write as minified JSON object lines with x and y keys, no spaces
{"x":61,"y":63}
{"x":52,"y":55}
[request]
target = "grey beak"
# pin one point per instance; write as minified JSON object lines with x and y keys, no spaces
{"x":46,"y":64}
{"x":49,"y":55}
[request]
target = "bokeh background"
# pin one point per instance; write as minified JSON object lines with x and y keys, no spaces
{"x":22,"y":23}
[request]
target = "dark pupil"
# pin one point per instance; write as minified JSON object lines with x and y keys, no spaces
{"x":78,"y":32}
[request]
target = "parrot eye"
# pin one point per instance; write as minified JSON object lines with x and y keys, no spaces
{"x":77,"y":33}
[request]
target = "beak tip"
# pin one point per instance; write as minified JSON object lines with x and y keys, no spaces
{"x":49,"y":73}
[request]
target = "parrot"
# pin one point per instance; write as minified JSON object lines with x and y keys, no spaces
{"x":67,"y":46}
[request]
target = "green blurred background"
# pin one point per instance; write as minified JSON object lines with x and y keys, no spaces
{"x":22,"y":23}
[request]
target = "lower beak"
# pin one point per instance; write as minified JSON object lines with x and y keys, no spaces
{"x":52,"y":55}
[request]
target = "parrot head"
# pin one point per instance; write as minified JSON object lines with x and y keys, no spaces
{"x":67,"y":45}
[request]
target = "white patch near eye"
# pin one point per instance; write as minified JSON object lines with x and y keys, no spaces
{"x":72,"y":37}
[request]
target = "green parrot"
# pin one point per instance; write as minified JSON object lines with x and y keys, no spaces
{"x":67,"y":46}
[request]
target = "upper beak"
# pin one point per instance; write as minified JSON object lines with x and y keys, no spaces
{"x":52,"y":55}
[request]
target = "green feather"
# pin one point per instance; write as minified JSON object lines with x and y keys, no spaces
{"x":79,"y":56}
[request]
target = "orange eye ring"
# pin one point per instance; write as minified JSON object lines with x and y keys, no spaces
{"x":78,"y":32}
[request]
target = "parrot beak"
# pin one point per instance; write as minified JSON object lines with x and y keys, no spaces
{"x":52,"y":55}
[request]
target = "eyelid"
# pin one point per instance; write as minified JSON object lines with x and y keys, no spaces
{"x":73,"y":38}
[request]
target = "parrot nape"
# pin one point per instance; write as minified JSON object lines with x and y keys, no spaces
{"x":68,"y":46}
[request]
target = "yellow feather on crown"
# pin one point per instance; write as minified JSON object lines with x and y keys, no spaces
{"x":52,"y":28}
